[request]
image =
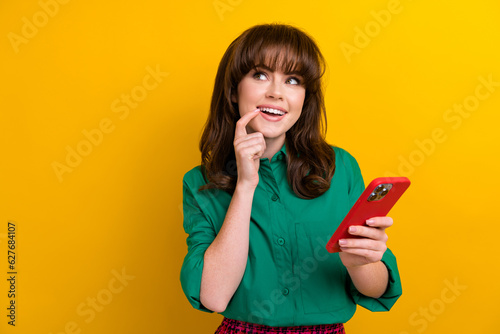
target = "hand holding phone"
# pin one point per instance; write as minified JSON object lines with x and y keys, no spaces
{"x":376,"y":201}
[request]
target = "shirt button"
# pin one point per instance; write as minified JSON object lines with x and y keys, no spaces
{"x":274,"y":197}
{"x":281,"y":241}
{"x":285,"y":292}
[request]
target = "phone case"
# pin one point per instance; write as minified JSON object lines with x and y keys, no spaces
{"x":376,"y":201}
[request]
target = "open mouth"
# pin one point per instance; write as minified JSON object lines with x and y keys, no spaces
{"x":272,"y":111}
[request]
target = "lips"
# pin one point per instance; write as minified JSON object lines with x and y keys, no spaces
{"x":271,"y":114}
{"x":272,"y":111}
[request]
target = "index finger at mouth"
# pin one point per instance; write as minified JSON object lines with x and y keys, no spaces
{"x":241,"y":129}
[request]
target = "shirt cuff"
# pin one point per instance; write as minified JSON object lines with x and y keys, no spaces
{"x":390,"y":296}
{"x":191,"y":272}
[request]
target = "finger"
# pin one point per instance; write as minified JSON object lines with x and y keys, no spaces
{"x":368,"y":244}
{"x":369,"y":232}
{"x":241,"y":129}
{"x":251,"y":151}
{"x":370,"y":255}
{"x":383,"y":222}
{"x":256,"y":135}
{"x":254,"y":139}
{"x":250,"y":147}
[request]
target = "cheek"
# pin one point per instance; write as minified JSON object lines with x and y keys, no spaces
{"x":299,"y":101}
{"x":299,"y":96}
{"x":246,"y":90}
{"x":299,"y":105}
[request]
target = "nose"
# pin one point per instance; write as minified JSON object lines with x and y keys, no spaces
{"x":274,"y":90}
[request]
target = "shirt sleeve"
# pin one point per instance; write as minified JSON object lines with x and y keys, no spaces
{"x":200,"y":235}
{"x":391,"y":295}
{"x":394,"y":289}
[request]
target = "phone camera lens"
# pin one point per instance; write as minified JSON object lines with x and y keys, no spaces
{"x":379,"y":188}
{"x":384,"y":192}
{"x":372,"y":197}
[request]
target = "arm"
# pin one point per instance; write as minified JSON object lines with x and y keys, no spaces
{"x":362,"y":257}
{"x":226,"y":258}
{"x":369,"y":276}
{"x":371,"y":279}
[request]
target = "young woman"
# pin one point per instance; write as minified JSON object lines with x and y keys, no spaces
{"x":269,"y":194}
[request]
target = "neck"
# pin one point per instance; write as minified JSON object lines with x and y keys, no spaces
{"x":273,"y":145}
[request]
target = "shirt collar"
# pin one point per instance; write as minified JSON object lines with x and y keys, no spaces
{"x":281,"y":154}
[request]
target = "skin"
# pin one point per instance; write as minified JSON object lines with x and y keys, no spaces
{"x":262,"y":86}
{"x":255,"y":138}
{"x":362,"y":257}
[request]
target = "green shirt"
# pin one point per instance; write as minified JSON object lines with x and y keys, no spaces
{"x":290,"y":279}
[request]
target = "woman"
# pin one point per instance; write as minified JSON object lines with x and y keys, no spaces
{"x":268,"y":195}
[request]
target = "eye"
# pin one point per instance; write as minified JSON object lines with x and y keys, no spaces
{"x":259,"y":76}
{"x":293,"y":81}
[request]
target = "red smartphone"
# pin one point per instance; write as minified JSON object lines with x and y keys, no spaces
{"x":376,"y":201}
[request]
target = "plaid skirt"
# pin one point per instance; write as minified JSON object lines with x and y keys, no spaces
{"x":230,"y":326}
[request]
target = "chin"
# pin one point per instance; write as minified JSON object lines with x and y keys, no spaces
{"x":269,"y":131}
{"x":272,"y":134}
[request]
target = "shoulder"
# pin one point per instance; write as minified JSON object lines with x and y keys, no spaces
{"x":344,"y":158}
{"x":347,"y":168}
{"x":194,"y":178}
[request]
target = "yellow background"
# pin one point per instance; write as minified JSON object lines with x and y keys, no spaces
{"x":119,"y":207}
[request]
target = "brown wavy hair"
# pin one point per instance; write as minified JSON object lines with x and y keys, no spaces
{"x":310,"y":160}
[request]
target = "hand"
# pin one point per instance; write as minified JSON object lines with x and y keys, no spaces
{"x":369,"y":249}
{"x":248,"y":148}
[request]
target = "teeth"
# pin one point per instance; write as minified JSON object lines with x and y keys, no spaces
{"x":273,"y":111}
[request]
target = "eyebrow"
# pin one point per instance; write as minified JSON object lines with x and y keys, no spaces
{"x":265,"y":67}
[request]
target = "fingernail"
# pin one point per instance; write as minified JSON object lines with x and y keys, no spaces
{"x":342,"y":242}
{"x":370,"y":221}
{"x":352,"y":229}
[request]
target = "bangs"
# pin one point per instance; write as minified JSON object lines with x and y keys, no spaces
{"x":279,"y":48}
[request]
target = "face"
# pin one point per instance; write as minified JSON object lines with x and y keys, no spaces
{"x":279,"y":96}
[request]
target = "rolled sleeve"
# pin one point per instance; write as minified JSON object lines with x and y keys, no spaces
{"x":391,"y":295}
{"x":200,"y":235}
